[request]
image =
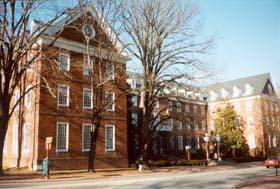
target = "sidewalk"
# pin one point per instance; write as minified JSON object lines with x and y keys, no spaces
{"x":272,"y":182}
{"x":21,"y":176}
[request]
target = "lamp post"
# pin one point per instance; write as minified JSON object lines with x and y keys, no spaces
{"x":188,"y":152}
{"x":206,"y":139}
{"x":218,"y":139}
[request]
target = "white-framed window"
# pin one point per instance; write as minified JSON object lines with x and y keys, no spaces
{"x":195,"y":125}
{"x":248,"y":89}
{"x":87,"y":98}
{"x":6,"y":143}
{"x":64,"y":61}
{"x":269,"y":141}
{"x":224,"y":93}
{"x":171,"y":122}
{"x":110,"y":71}
{"x":187,"y":108}
{"x":202,"y":108}
{"x":17,"y":97}
{"x":86,"y":137}
{"x":189,"y":141}
{"x":62,"y":136}
{"x":87,"y":65}
{"x":188,"y":124}
{"x":29,"y":60}
{"x":252,"y":141}
{"x":109,"y":138}
{"x":271,"y":107}
{"x":274,"y":141}
{"x":63,"y":95}
{"x":15,"y":139}
{"x":180,"y":125}
{"x":179,"y":107}
{"x":203,"y":125}
{"x":134,"y":101}
{"x":213,"y":95}
{"x":180,"y":143}
{"x":110,"y":104}
{"x":250,"y":121}
{"x":134,"y":118}
{"x":195,"y":109}
{"x":28,"y":97}
{"x":26,"y":137}
{"x":249,"y":105}
{"x":212,"y":125}
{"x":170,"y":106}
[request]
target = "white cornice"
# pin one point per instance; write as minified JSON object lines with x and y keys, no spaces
{"x":80,"y":48}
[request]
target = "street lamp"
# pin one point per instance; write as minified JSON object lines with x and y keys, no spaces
{"x":218,"y":139}
{"x":206,"y":139}
{"x":188,"y":152}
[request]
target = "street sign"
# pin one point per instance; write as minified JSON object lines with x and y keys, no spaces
{"x":49,"y":143}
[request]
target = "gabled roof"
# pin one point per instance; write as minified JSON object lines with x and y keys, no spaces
{"x":257,"y":82}
{"x":76,"y":13}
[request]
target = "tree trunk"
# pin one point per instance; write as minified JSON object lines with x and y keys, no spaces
{"x":3,"y":131}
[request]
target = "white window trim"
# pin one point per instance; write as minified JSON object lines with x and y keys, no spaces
{"x":68,"y":62}
{"x":113,"y":102}
{"x":114,"y":132}
{"x":91,"y":104}
{"x":134,"y":100}
{"x":85,"y":124}
{"x":6,"y":142}
{"x":67,"y":137}
{"x":28,"y":105}
{"x":17,"y":99}
{"x":87,"y":68}
{"x":68,"y":96}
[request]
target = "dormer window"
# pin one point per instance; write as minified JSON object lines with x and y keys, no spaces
{"x":236,"y":91}
{"x":249,"y":89}
{"x":213,"y":95}
{"x":190,"y":94}
{"x":224,"y":93}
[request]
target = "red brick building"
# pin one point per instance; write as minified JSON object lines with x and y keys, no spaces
{"x":61,"y":105}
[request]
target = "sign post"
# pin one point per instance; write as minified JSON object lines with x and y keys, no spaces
{"x":47,"y":162}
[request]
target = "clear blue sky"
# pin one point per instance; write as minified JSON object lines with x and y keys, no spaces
{"x":247,"y":36}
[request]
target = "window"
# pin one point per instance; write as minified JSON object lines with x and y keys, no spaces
{"x":62,"y":132}
{"x":250,"y":121}
{"x":213,"y":95}
{"x":236,"y":91}
{"x":189,"y":141}
{"x":17,"y":98}
{"x":224,"y":93}
{"x":87,"y":98}
{"x":252,"y":143}
{"x":63,"y":95}
{"x":134,"y":101}
{"x":203,"y":125}
{"x":6,"y":144}
{"x":170,"y":105}
{"x":269,"y":141}
{"x":188,"y":124}
{"x":178,"y":107}
{"x":86,"y":137}
{"x":249,"y":105}
{"x":248,"y":89}
{"x":195,"y":125}
{"x":237,"y":123}
{"x":109,"y":138}
{"x":64,"y":62}
{"x":15,"y":139}
{"x":26,"y":137}
{"x":187,"y":108}
{"x":236,"y":107}
{"x":171,"y":122}
{"x":180,"y":143}
{"x":157,"y":118}
{"x":134,"y":119}
{"x":110,"y":70}
{"x":180,"y":125}
{"x":110,"y":98}
{"x":87,"y":66}
{"x":202,"y":110}
{"x":28,"y":97}
{"x":195,"y":109}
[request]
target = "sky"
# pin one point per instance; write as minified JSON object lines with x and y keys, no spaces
{"x":247,"y":36}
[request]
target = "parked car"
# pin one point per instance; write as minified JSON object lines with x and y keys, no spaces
{"x":272,"y":161}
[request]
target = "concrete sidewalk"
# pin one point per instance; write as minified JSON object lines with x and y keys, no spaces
{"x":21,"y":176}
{"x":272,"y":182}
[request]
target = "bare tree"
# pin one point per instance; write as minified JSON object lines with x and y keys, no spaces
{"x":17,"y":43}
{"x":162,"y":35}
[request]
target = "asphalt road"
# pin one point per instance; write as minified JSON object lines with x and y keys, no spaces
{"x":218,"y":179}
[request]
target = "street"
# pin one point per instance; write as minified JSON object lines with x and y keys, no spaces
{"x":210,"y":179}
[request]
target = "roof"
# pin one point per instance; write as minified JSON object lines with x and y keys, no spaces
{"x":76,"y":13}
{"x":257,"y":82}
